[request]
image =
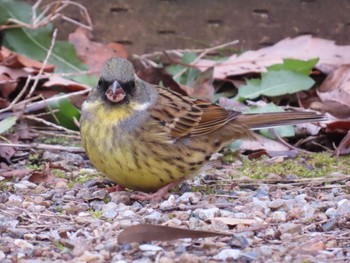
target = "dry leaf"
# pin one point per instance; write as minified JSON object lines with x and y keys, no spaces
{"x":344,"y":146}
{"x":331,"y":56}
{"x":263,"y":142}
{"x":335,"y":92}
{"x":92,"y":53}
{"x":147,"y":233}
{"x":159,"y":76}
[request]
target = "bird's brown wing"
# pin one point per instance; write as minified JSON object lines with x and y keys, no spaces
{"x":183,"y":116}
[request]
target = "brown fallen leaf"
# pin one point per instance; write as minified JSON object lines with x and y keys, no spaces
{"x":306,"y":47}
{"x":14,"y":60}
{"x":93,"y":53}
{"x":344,"y":146}
{"x":147,"y":233}
{"x":334,"y":93}
{"x":159,"y":76}
{"x":202,"y":87}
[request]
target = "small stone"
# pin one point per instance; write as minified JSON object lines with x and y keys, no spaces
{"x":14,"y":200}
{"x":332,"y":212}
{"x":329,"y":225}
{"x":331,"y":243}
{"x":20,"y":186}
{"x":23,"y":244}
{"x":147,"y":247}
{"x":120,"y":197}
{"x":2,"y":256}
{"x":279,"y":216}
{"x":128,"y":214}
{"x":110,"y":210}
{"x":190,"y":198}
{"x":169,"y":204}
{"x":301,"y":198}
{"x":49,"y":156}
{"x":228,"y":254}
{"x":290,"y":228}
{"x":16,"y":232}
{"x":266,"y":250}
{"x":343,"y":207}
{"x":28,"y":184}
{"x":276,"y":204}
{"x":154,"y":218}
{"x":206,"y":214}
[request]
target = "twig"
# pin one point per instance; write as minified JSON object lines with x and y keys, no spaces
{"x":179,"y":51}
{"x":32,"y":117}
{"x":42,"y":146}
{"x":205,"y":52}
{"x":280,"y":139}
{"x":55,"y":134}
{"x":34,"y":106}
{"x":48,"y":54}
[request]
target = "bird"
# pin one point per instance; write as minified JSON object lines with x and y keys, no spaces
{"x":148,"y":138}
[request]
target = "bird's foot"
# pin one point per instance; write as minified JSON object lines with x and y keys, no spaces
{"x":157,"y":196}
{"x":117,"y":188}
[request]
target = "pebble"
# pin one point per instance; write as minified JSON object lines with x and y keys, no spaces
{"x":169,"y":204}
{"x":190,"y":197}
{"x":276,"y":204}
{"x":2,"y":256}
{"x":343,"y":207}
{"x":331,"y":212}
{"x":279,"y":216}
{"x":290,"y":228}
{"x":147,"y":247}
{"x":329,"y":225}
{"x":110,"y":210}
{"x":14,"y":200}
{"x":228,"y":254}
{"x":120,"y":197}
{"x":23,"y":244}
{"x":206,"y":214}
{"x":154,"y":218}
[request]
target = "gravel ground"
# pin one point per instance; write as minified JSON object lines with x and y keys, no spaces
{"x":63,"y":220}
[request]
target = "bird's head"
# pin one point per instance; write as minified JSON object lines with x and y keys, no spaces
{"x":117,"y":81}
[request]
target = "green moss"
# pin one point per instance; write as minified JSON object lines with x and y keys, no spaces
{"x":304,"y":166}
{"x":96,"y":214}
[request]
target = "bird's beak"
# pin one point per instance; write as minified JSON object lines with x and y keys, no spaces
{"x":115,"y":92}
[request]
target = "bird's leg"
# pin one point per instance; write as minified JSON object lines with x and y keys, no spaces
{"x":157,"y":196}
{"x":117,"y":188}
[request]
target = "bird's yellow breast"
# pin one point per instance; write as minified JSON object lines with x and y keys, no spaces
{"x":139,"y":159}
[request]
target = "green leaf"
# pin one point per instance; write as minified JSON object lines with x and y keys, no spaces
{"x":275,"y":83}
{"x":7,"y":123}
{"x":189,"y":76}
{"x":35,"y":44}
{"x":67,"y":112}
{"x":283,"y":131}
{"x":295,"y":65}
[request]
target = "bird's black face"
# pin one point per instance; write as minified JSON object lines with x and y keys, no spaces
{"x":116,"y":92}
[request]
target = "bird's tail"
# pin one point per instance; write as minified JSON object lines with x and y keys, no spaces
{"x":275,"y":119}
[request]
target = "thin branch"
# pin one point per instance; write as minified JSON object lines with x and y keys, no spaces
{"x":42,"y":146}
{"x":47,"y":123}
{"x":36,"y":79}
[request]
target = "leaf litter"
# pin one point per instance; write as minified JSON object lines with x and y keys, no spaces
{"x":54,"y":204}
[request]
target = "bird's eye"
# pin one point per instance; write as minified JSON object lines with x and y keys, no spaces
{"x":99,"y":82}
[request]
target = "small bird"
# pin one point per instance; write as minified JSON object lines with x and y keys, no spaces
{"x":148,"y":138}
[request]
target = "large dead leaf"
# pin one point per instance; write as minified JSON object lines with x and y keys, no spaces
{"x":335,"y":93}
{"x":93,"y":53}
{"x":305,"y":47}
{"x":147,"y":233}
